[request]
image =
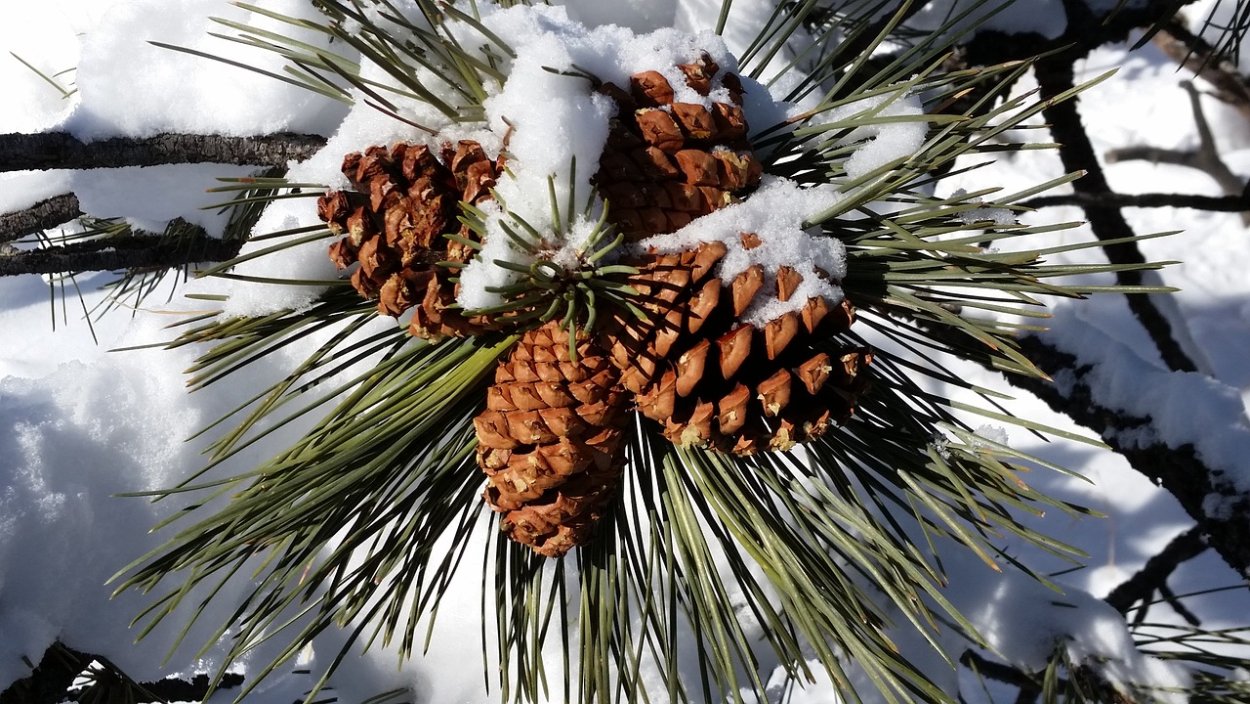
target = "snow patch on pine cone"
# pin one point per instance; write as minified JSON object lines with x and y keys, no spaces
{"x":775,"y":214}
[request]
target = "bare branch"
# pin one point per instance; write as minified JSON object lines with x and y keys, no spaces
{"x":58,"y":150}
{"x":41,"y":216}
{"x":1200,"y":57}
{"x":1220,"y":204}
{"x":1055,"y":76}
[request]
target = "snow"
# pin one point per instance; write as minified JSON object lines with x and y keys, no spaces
{"x":150,"y":197}
{"x":779,"y":214}
{"x":1183,"y":408}
{"x":1044,"y":17}
{"x":885,"y":142}
{"x":79,"y":424}
{"x":133,"y":88}
{"x":569,"y":127}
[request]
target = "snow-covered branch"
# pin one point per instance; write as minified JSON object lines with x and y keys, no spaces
{"x":1184,"y":431}
{"x":59,"y":150}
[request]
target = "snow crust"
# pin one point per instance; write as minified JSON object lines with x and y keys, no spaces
{"x":149,"y":197}
{"x":130,"y":87}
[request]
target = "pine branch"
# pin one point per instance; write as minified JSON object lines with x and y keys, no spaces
{"x":1055,"y":76}
{"x":58,"y":150}
{"x":140,"y":250}
{"x":1219,"y":204}
{"x":41,"y":216}
{"x":1178,"y":470}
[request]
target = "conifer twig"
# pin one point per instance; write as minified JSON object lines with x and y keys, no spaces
{"x":59,"y":150}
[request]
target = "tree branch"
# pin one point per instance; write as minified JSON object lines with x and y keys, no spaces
{"x":135,"y":251}
{"x":1055,"y":75}
{"x":1200,"y":57}
{"x":58,"y":150}
{"x":1220,"y":204}
{"x":1178,"y":470}
{"x":41,"y":216}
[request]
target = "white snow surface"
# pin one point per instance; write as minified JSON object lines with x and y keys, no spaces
{"x":1183,"y":408}
{"x":79,"y":425}
{"x":130,"y":87}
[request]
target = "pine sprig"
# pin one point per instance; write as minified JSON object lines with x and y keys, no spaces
{"x":740,"y":564}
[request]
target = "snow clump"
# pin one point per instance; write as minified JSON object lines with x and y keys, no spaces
{"x":776,"y":213}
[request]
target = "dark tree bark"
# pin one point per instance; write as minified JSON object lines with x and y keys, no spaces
{"x":137,"y":251}
{"x":58,"y":150}
{"x":41,"y":216}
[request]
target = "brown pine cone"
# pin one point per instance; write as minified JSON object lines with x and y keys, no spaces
{"x":394,"y":221}
{"x":551,"y":440}
{"x":711,"y":379}
{"x":667,"y":163}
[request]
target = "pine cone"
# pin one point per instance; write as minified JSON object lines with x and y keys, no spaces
{"x":667,"y":163}
{"x":551,"y":440}
{"x":711,"y":379}
{"x":404,"y":201}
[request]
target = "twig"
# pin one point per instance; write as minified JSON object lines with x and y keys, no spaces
{"x":1055,"y":76}
{"x":41,"y":216}
{"x":136,"y":251}
{"x":1219,"y":204}
{"x":1153,"y":576}
{"x":58,"y":150}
